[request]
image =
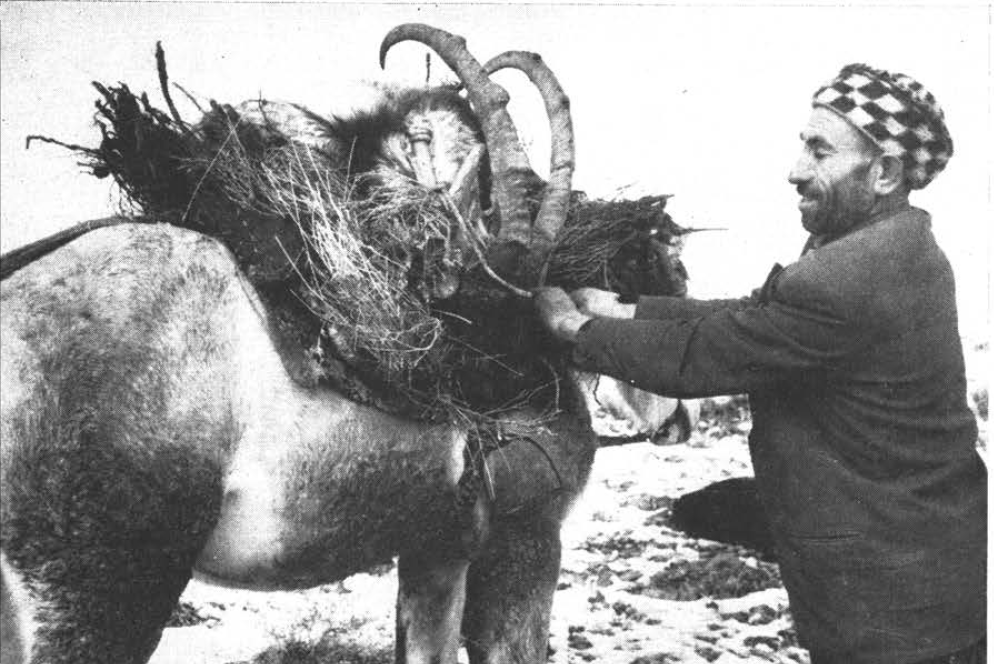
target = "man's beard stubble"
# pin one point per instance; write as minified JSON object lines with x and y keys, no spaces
{"x":841,"y":207}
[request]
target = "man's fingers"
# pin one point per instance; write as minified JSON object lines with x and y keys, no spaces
{"x":558,"y":312}
{"x":553,"y":301}
{"x":588,"y":296}
{"x":596,"y":302}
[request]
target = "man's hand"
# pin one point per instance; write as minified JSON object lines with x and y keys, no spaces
{"x":596,"y":302}
{"x":558,"y":313}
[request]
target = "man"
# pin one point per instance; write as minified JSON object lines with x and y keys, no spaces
{"x":862,"y":443}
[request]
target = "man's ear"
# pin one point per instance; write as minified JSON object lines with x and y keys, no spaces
{"x":889,"y":174}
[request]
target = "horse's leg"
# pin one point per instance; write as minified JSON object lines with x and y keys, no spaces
{"x":13,"y":645}
{"x":102,"y":537}
{"x":509,"y":592}
{"x":430,"y":604}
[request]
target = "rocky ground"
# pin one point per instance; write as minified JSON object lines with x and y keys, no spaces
{"x":631,"y":591}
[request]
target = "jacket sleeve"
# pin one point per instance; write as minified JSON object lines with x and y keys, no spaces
{"x":664,"y":307}
{"x":724,"y":351}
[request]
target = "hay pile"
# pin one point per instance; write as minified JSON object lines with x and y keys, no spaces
{"x":345,"y":266}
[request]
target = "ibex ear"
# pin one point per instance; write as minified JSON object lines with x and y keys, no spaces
{"x":889,"y":174}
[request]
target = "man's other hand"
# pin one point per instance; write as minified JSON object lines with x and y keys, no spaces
{"x":558,"y":313}
{"x":596,"y":302}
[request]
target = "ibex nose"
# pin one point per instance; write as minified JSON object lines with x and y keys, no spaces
{"x":419,"y":133}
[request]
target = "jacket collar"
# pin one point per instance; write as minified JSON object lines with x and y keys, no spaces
{"x":906,"y":210}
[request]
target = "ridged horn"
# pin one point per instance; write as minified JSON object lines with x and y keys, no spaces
{"x":555,"y":202}
{"x":509,"y":163}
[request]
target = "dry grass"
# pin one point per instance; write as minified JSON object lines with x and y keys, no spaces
{"x":357,"y":268}
{"x":312,"y":641}
{"x":363,"y":253}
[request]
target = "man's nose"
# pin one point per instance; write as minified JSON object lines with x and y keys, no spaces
{"x":801,"y":172}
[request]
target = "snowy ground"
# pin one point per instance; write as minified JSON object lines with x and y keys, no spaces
{"x":627,"y":593}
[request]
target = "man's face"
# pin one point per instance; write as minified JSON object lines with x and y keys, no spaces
{"x":833,"y":175}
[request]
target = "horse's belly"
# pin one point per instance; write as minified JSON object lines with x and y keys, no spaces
{"x":244,"y":548}
{"x":295,"y":519}
{"x":256,"y":541}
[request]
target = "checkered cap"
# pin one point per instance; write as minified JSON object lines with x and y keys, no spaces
{"x":897,"y":113}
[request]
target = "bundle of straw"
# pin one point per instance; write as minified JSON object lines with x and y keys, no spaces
{"x":359,"y":255}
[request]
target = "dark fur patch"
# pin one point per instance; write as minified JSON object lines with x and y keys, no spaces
{"x":105,"y":521}
{"x":109,"y":494}
{"x":365,"y":129}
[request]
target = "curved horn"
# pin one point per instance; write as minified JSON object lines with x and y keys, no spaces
{"x":509,"y":164}
{"x":555,"y":202}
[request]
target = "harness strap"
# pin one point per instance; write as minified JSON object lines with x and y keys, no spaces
{"x":476,"y":475}
{"x":15,"y":259}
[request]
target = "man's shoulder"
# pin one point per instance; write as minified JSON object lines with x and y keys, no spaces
{"x":878,"y":266}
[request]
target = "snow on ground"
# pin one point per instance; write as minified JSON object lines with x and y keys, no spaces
{"x":597,"y":616}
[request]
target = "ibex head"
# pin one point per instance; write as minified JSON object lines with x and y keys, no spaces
{"x":518,"y":241}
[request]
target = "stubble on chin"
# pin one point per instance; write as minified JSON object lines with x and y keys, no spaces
{"x":810,"y":221}
{"x":817,"y":218}
{"x":837,"y":212}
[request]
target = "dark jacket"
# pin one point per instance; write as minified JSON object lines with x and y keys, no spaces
{"x":862,"y":442}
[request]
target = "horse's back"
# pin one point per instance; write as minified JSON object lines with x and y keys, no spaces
{"x":107,"y":282}
{"x":125,"y":327}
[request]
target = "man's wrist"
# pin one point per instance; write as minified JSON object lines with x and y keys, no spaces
{"x":570,"y":326}
{"x":625,"y":310}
